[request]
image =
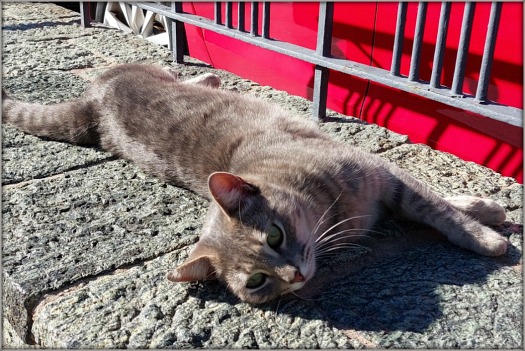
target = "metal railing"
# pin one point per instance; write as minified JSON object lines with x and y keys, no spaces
{"x":323,"y":62}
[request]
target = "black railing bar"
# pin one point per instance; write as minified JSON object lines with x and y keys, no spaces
{"x":413,"y":74}
{"x":266,"y":20}
{"x":488,"y":52}
{"x":218,"y":13}
{"x":395,"y":69}
{"x":441,"y":40}
{"x":255,"y":19}
{"x":229,"y":14}
{"x":323,"y":48}
{"x":324,"y":29}
{"x":319,"y":98}
{"x":464,"y":41}
{"x":177,"y":34}
{"x":240,"y":15}
{"x":501,"y":113}
{"x":85,"y":14}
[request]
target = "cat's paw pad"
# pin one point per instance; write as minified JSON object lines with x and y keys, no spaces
{"x":486,"y":211}
{"x":207,"y":79}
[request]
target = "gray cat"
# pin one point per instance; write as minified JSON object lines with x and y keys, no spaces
{"x":282,"y":192}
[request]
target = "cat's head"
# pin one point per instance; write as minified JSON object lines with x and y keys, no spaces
{"x":256,"y":239}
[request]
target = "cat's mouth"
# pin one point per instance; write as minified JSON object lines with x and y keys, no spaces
{"x":298,"y":282}
{"x":296,"y":286}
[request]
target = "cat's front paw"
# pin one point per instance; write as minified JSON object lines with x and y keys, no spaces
{"x":486,"y":211}
{"x":493,"y":243}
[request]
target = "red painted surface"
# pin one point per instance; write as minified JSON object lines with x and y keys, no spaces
{"x":364,"y":32}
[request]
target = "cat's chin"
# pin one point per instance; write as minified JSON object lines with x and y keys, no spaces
{"x":296,"y":286}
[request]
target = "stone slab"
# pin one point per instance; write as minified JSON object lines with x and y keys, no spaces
{"x":139,"y":308}
{"x":41,"y":158}
{"x":61,"y":44}
{"x":421,"y":296}
{"x":62,"y":229}
{"x":26,"y":13}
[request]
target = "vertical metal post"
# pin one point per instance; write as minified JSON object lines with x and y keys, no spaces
{"x":255,"y":19}
{"x":229,"y":15}
{"x":240,"y":15}
{"x":398,"y":39}
{"x":218,"y":13}
{"x":324,"y":29}
{"x":324,"y":47}
{"x":464,"y":41}
{"x":85,"y":15}
{"x":415,"y":60}
{"x":437,"y":66}
{"x":488,"y":52}
{"x":177,"y":34}
{"x":266,"y":20}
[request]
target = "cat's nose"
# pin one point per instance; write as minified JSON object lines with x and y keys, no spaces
{"x":298,"y":277}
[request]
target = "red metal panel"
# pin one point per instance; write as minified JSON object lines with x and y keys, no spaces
{"x":471,"y":137}
{"x":260,"y":65}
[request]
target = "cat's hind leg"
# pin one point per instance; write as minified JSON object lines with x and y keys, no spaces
{"x":486,"y":211}
{"x":459,"y":223}
{"x":206,"y":79}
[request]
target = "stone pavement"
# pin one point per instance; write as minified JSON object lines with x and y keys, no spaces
{"x":87,"y":239}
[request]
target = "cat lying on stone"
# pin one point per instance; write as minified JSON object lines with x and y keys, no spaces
{"x":282,"y":192}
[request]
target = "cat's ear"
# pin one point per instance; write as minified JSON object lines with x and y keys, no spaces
{"x":198,"y":266}
{"x":230,"y":190}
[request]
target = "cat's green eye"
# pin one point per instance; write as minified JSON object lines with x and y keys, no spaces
{"x":256,"y":280}
{"x":274,"y":236}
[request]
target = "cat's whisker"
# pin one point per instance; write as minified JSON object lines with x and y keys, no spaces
{"x":334,"y":237}
{"x":328,"y":248}
{"x":331,"y":243}
{"x":341,"y":245}
{"x":329,"y":251}
{"x":326,"y":244}
{"x":326,"y":219}
{"x":328,"y":239}
{"x":327,"y":254}
{"x":302,"y":298}
{"x":277,"y":308}
{"x":338,"y":224}
{"x":310,"y":299}
{"x":338,"y":247}
{"x":211,"y":275}
{"x":239,"y":211}
{"x":321,"y":221}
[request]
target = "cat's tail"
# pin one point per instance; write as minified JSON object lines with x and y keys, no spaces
{"x":73,"y":121}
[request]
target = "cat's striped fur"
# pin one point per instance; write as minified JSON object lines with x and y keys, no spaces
{"x":283,"y":193}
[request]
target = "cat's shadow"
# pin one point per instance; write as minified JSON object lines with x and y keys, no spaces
{"x":401,"y":285}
